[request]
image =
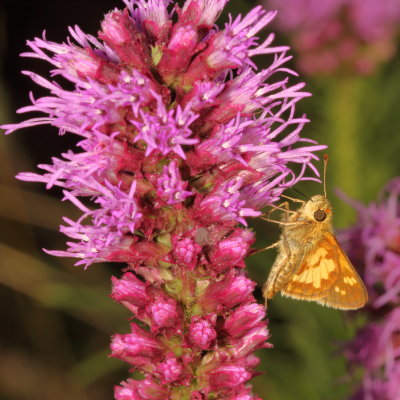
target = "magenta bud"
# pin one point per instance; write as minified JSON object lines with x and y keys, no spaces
{"x":146,"y":389}
{"x":243,"y":319}
{"x":202,"y":331}
{"x":130,"y":289}
{"x":119,"y":32}
{"x":175,"y":57}
{"x":200,"y":13}
{"x":185,"y":251}
{"x":149,"y":389}
{"x":127,"y":391}
{"x":114,"y":28}
{"x":232,"y":251}
{"x":252,"y":341}
{"x":243,"y":395}
{"x":163,"y":312}
{"x":84,"y":63}
{"x":135,"y":347}
{"x":228,"y":375}
{"x":230,"y":291}
{"x":183,"y":38}
{"x":171,"y":370}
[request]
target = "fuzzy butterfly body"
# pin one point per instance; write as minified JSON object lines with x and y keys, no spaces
{"x":310,"y":264}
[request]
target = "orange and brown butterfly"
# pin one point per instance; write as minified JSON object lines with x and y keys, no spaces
{"x":310,"y":264}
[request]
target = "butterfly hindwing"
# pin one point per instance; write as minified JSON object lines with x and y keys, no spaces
{"x":348,"y":292}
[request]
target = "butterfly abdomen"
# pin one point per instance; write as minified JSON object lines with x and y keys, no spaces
{"x":281,"y":273}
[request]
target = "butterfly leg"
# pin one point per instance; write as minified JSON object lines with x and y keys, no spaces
{"x":285,"y":223}
{"x":271,"y":246}
{"x":293,"y":199}
{"x":279,"y":207}
{"x":287,"y":211}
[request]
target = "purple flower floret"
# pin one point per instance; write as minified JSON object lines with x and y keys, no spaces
{"x":374,"y":245}
{"x":181,"y":141}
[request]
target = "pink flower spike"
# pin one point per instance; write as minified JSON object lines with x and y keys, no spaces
{"x":352,"y":36}
{"x":180,"y":142}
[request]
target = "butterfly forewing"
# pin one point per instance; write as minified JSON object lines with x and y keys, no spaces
{"x":327,"y":276}
{"x":316,"y":275}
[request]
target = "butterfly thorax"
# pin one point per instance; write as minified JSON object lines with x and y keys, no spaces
{"x":310,"y":221}
{"x":315,"y":204}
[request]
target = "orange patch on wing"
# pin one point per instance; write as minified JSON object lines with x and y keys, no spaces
{"x":317,"y":273}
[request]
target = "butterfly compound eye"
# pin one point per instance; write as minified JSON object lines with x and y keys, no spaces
{"x":320,"y":215}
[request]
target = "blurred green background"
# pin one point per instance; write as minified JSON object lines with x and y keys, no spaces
{"x":56,"y":319}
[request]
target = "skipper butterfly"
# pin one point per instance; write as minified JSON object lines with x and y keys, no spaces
{"x":310,"y":264}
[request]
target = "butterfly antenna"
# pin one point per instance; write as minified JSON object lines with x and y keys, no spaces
{"x":325,"y":164}
{"x":300,"y":192}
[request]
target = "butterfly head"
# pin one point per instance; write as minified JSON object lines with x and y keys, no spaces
{"x":317,"y":209}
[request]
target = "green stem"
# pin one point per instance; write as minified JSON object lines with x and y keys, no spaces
{"x":345,"y":142}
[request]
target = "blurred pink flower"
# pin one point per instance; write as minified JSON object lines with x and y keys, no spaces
{"x":373,"y":245}
{"x":340,"y":35}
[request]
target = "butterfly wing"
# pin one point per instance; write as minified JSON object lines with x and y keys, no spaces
{"x":348,"y":292}
{"x":316,"y":274}
{"x":327,"y":277}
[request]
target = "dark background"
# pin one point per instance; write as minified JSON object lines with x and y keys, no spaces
{"x":56,"y":319}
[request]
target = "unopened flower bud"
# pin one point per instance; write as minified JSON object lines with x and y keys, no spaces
{"x":228,"y":375}
{"x":231,"y":251}
{"x":147,"y":389}
{"x":253,"y":340}
{"x":164,"y":313}
{"x":243,"y":319}
{"x":202,"y":332}
{"x":130,"y":289}
{"x":171,"y":370}
{"x":186,"y":251}
{"x":138,"y":344}
{"x":228,"y":292}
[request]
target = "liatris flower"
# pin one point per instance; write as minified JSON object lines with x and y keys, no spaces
{"x":340,"y":35}
{"x":374,"y":245}
{"x":181,"y":142}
